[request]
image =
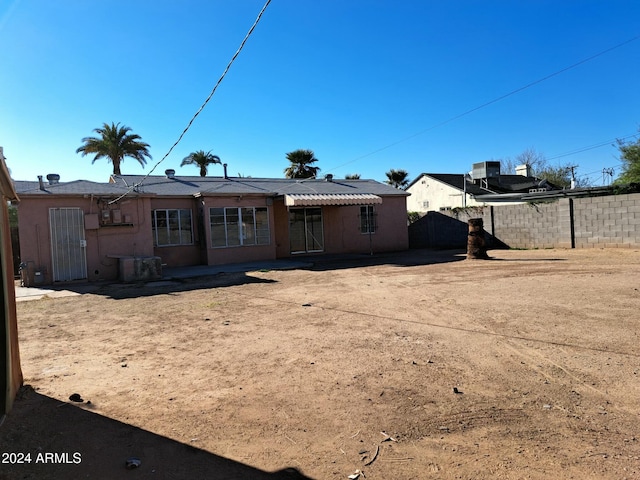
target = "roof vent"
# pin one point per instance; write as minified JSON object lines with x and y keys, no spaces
{"x":53,"y":178}
{"x":328,"y":177}
{"x":170,"y":172}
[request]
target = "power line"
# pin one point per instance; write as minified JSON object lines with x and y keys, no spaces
{"x":224,"y":73}
{"x":491,"y":102}
{"x":591,"y":147}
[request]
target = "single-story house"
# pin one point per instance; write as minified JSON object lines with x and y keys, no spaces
{"x":484,"y":186}
{"x":83,"y":230}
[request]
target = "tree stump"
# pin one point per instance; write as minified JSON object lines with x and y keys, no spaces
{"x":476,"y":247}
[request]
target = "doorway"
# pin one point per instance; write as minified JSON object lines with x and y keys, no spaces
{"x":306,"y":234}
{"x":68,"y":244}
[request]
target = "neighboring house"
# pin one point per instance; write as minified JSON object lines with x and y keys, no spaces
{"x":11,"y":373}
{"x":485,"y":185}
{"x":84,"y":230}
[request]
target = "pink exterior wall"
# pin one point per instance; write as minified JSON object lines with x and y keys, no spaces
{"x":249,"y":253}
{"x":103,"y":243}
{"x":180,"y":255}
{"x":341,"y":228}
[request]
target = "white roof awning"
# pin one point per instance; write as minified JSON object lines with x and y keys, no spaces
{"x":319,"y":199}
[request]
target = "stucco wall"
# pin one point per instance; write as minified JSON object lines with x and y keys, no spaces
{"x":607,"y":221}
{"x":436,"y":194}
{"x":246,"y":253}
{"x":103,"y":243}
{"x":179,"y":255}
{"x":341,"y":228}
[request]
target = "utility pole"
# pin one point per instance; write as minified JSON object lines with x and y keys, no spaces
{"x":573,"y":176}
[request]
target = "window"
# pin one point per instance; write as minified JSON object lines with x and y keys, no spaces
{"x":172,"y":227}
{"x":368,"y":223}
{"x":239,"y":226}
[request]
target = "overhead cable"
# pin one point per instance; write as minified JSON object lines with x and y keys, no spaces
{"x":224,"y":73}
{"x":491,"y":102}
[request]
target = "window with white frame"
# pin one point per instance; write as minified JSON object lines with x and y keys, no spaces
{"x":239,"y":226}
{"x":368,"y":223}
{"x":172,"y":227}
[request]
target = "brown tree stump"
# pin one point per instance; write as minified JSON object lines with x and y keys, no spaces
{"x":476,"y":247}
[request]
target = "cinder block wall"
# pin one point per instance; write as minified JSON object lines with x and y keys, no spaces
{"x":612,"y":221}
{"x":609,"y":221}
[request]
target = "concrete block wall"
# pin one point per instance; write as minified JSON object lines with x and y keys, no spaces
{"x":527,"y":226}
{"x":604,"y":222}
{"x":611,"y":221}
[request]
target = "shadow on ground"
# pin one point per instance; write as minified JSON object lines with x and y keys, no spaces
{"x":88,"y":445}
{"x":125,"y":291}
{"x":407,"y":258}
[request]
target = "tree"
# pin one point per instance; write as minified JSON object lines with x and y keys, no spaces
{"x":352,"y":176}
{"x":115,"y":143}
{"x":202,"y":159}
{"x":630,"y":156}
{"x":301,"y":167}
{"x":559,"y":175}
{"x":397,"y":178}
{"x":530,"y":156}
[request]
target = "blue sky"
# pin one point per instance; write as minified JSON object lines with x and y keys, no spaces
{"x":369,"y":85}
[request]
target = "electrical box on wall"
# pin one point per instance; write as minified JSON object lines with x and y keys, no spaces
{"x":106,"y":216}
{"x":91,"y":221}
{"x":116,"y":216}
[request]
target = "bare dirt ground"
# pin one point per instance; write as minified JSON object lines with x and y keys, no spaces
{"x":421,"y":365}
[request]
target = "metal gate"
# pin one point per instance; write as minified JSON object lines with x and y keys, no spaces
{"x":68,"y":244}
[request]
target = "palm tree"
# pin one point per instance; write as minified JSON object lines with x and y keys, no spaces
{"x":352,"y":176}
{"x":397,"y":178}
{"x":202,"y":159}
{"x":301,"y":167}
{"x":115,"y":143}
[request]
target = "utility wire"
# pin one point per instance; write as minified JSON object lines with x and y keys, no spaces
{"x":591,"y":147}
{"x":491,"y":102}
{"x":224,"y":73}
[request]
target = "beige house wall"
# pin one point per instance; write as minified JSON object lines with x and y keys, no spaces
{"x":431,"y":195}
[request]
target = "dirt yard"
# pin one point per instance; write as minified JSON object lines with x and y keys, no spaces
{"x":421,"y":365}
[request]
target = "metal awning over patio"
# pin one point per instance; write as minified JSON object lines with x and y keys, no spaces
{"x":319,"y":199}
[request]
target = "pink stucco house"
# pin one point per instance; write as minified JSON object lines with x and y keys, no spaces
{"x":129,"y":227}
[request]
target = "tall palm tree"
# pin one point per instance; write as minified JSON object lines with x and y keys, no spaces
{"x":115,"y":143}
{"x":301,"y":167}
{"x":202,"y":159}
{"x":397,"y":178}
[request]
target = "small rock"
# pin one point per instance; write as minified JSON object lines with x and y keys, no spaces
{"x":455,"y":390}
{"x":306,"y":304}
{"x":132,"y":462}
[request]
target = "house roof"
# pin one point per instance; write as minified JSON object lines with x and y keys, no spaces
{"x":76,"y":187}
{"x":502,"y":184}
{"x":205,"y":186}
{"x":157,"y":185}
